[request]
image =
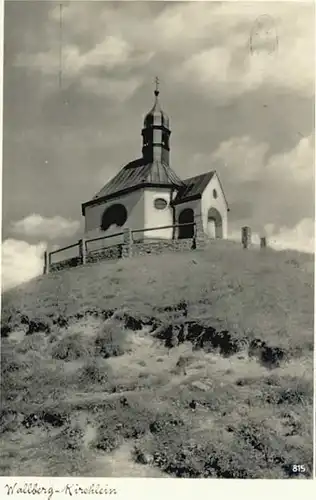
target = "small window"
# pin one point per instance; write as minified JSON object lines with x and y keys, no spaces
{"x":214,"y":193}
{"x":160,"y":203}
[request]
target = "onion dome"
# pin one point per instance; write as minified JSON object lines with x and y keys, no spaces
{"x":156,"y":116}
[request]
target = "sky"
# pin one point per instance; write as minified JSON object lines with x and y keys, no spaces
{"x":237,"y":81}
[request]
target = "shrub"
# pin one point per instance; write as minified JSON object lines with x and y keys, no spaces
{"x":11,"y":318}
{"x":72,"y":347}
{"x":71,"y":437}
{"x":9,"y":421}
{"x":177,"y":453}
{"x":44,"y":382}
{"x":111,"y":341}
{"x":107,"y":442}
{"x":172,"y":450}
{"x":12,"y":382}
{"x":95,"y":372}
{"x":45,"y":417}
{"x":11,"y":361}
{"x":287,"y":390}
{"x":54,"y":419}
{"x":39,"y":324}
{"x":125,"y":418}
{"x":10,"y":364}
{"x":165,"y":423}
{"x":141,"y":457}
{"x":299,"y":392}
{"x":31,"y":343}
{"x":5,"y":329}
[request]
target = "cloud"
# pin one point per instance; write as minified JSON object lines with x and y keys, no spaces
{"x":243,"y":156}
{"x":110,"y":53}
{"x":227,"y":73}
{"x":90,"y":70}
{"x":222,"y":63}
{"x":44,"y":227}
{"x":301,"y":237}
{"x":275,"y":188}
{"x":208,"y":41}
{"x":20,"y":262}
{"x":249,"y":160}
{"x":296,"y":165}
{"x":119,"y":89}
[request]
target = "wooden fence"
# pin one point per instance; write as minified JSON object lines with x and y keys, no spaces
{"x":83,"y":246}
{"x":126,"y":244}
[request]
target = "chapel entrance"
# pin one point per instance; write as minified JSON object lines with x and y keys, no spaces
{"x":186,"y":217}
{"x":214,"y":224}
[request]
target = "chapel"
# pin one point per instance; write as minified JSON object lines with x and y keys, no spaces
{"x":147,"y":193}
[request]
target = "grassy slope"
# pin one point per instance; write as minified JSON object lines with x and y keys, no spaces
{"x":249,"y":421}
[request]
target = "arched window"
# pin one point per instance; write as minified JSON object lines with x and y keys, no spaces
{"x":186,"y":217}
{"x":115,"y":214}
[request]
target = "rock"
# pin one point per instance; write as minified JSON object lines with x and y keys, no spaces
{"x":5,"y":330}
{"x":155,"y":427}
{"x":61,"y":321}
{"x":143,"y":457}
{"x":38,"y":325}
{"x":132,"y":323}
{"x":124,"y":401}
{"x":107,"y":314}
{"x":54,"y":419}
{"x":271,"y":356}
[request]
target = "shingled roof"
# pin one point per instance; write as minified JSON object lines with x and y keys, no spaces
{"x":193,"y":187}
{"x":137,"y":174}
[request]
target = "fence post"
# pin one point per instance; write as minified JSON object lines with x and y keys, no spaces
{"x":127,"y":242}
{"x":199,"y":229}
{"x":46,"y":262}
{"x":246,"y":236}
{"x":82,"y":251}
{"x":193,"y":247}
{"x":263,"y":242}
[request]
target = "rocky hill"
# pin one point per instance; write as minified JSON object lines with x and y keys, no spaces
{"x":195,"y":364}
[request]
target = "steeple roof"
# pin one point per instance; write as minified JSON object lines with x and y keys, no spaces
{"x":156,"y":115}
{"x":152,"y":170}
{"x":138,"y":173}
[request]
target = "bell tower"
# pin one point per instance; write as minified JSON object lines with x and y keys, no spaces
{"x":156,"y":133}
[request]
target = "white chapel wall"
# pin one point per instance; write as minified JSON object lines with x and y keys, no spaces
{"x":155,"y":217}
{"x":134,"y":204}
{"x":219,"y":203}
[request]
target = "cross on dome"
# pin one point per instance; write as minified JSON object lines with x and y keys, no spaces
{"x":157,"y":86}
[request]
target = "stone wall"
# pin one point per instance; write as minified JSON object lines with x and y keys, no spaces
{"x":65,"y":264}
{"x":131,"y":249}
{"x":110,"y":253}
{"x":160,"y":246}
